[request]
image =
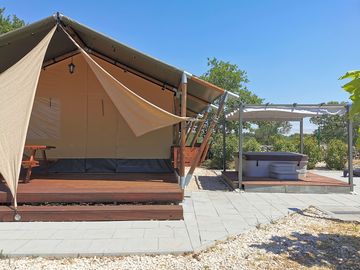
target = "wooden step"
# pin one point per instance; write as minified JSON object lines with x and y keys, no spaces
{"x":93,"y":191}
{"x":93,"y":213}
{"x":86,"y":196}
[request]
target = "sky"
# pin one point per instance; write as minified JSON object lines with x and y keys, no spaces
{"x":292,"y":51}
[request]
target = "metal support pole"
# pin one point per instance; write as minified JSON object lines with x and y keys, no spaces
{"x":350,"y":149}
{"x":224,"y":142}
{"x":183,"y":130}
{"x":302,"y":136}
{"x":240,"y":170}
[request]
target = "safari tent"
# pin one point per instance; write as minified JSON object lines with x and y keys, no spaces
{"x":101,"y":108}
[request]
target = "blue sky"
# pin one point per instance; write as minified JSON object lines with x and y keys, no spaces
{"x":293,"y":51}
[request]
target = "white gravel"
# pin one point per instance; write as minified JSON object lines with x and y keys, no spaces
{"x":294,"y":237}
{"x":206,"y":179}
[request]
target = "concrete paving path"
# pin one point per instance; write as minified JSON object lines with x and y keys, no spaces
{"x":209,"y":216}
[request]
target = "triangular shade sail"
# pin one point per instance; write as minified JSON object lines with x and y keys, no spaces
{"x":17,"y":91}
{"x":141,"y":115}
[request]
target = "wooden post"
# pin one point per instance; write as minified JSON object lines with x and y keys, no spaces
{"x":177,"y":126}
{"x":205,"y":140}
{"x":183,"y":130}
{"x":203,"y":120}
{"x":191,"y":127}
{"x":206,"y":150}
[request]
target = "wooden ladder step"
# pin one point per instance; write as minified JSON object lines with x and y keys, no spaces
{"x":93,"y":213}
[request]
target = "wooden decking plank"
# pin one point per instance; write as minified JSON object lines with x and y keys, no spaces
{"x":93,"y":213}
{"x":96,"y":189}
{"x":311,"y":180}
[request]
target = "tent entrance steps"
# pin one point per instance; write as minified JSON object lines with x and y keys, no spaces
{"x":93,"y":213}
{"x":149,"y":195}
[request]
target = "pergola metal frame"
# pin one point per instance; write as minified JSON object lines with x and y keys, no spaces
{"x":301,"y":122}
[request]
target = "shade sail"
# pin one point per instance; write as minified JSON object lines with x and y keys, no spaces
{"x":284,"y":113}
{"x":141,"y":115}
{"x":17,"y":91}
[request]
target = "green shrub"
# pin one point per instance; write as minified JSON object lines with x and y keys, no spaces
{"x":313,"y":150}
{"x":336,"y":153}
{"x":283,"y":144}
{"x":217,"y":150}
{"x":251,"y":145}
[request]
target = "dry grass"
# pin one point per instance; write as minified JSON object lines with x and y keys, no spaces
{"x":322,"y":244}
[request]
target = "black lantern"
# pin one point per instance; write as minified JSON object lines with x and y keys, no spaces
{"x":71,"y":66}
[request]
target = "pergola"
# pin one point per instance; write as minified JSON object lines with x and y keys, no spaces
{"x":287,"y":112}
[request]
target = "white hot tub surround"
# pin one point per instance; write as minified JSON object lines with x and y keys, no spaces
{"x":279,"y":165}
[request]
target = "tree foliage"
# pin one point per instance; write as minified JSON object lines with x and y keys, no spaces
{"x":268,"y":130}
{"x":285,"y":144}
{"x":217,"y":151}
{"x":231,"y":78}
{"x":9,"y":23}
{"x":251,"y":145}
{"x":313,"y":151}
{"x":353,"y":88}
{"x":334,"y":126}
{"x":336,"y":154}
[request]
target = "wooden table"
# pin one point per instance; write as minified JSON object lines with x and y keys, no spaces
{"x":32,"y":162}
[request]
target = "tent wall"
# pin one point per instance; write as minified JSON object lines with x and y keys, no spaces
{"x":73,"y":113}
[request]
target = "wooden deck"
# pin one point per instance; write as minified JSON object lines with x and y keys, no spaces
{"x":312,"y":184}
{"x":142,"y":196}
{"x":93,"y":213}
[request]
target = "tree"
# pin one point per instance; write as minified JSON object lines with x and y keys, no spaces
{"x":313,"y":151}
{"x":335,"y":155}
{"x":353,"y":88}
{"x":334,"y":126}
{"x":231,"y":78}
{"x":9,"y":23}
{"x":268,"y":130}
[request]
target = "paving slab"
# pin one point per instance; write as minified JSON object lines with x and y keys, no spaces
{"x":347,"y":213}
{"x":208,"y":216}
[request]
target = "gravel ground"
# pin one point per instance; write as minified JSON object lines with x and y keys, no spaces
{"x":304,"y":240}
{"x":205,"y":179}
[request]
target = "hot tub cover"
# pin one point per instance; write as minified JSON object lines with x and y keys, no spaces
{"x":275,"y":156}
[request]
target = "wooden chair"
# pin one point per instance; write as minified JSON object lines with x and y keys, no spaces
{"x":28,"y":165}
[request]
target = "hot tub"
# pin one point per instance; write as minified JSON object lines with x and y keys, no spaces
{"x":269,"y":164}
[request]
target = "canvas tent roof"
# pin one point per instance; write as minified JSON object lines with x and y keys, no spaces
{"x":284,"y":112}
{"x":24,"y":52}
{"x":14,"y":45}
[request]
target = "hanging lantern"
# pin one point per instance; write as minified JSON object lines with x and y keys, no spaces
{"x":71,"y":66}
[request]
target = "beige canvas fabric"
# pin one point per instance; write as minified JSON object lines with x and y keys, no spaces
{"x":17,"y":91}
{"x":141,"y":115}
{"x":74,"y":113}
